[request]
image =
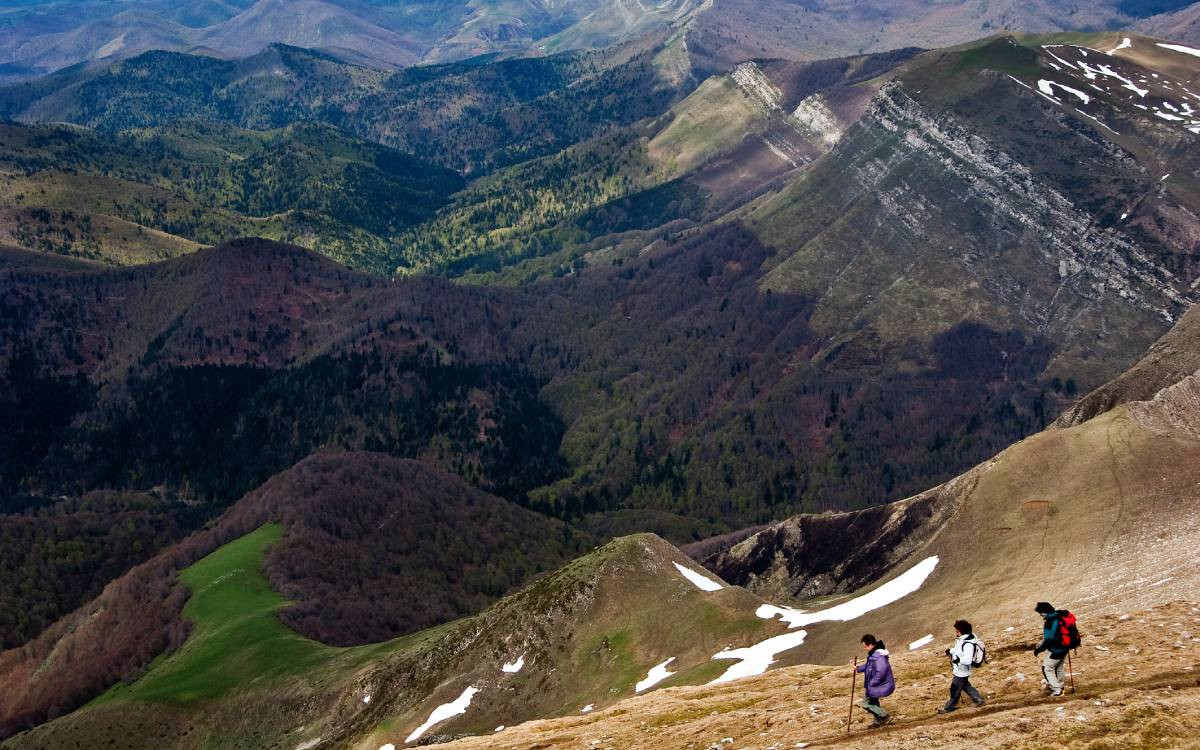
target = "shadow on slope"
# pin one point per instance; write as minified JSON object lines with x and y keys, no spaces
{"x":1099,"y":516}
{"x":372,"y":547}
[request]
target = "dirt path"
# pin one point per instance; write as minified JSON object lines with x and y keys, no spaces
{"x":1137,"y":678}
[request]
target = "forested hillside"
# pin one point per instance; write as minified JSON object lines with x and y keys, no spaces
{"x":471,"y":116}
{"x":153,"y":193}
{"x":712,"y":326}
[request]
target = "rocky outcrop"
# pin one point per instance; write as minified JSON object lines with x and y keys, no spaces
{"x":920,"y":218}
{"x":1174,"y":411}
{"x":750,"y":79}
{"x":817,"y":122}
{"x":1090,"y":264}
{"x":818,"y":555}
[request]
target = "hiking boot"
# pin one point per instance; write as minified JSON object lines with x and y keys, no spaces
{"x":881,"y":721}
{"x":1056,"y":693}
{"x":944,"y":710}
{"x":981,"y":703}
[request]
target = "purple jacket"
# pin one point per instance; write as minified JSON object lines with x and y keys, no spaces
{"x":877,"y":674}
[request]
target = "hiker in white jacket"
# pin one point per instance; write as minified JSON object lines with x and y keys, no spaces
{"x":965,"y":654}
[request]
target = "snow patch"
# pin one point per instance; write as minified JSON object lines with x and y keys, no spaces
{"x":310,"y":743}
{"x":656,"y":675}
{"x":754,"y":660}
{"x":1056,"y":57}
{"x":1125,"y":82}
{"x":1159,"y":583}
{"x":499,"y":728}
{"x":513,"y":667}
{"x":1168,"y":116}
{"x":1046,"y":85}
{"x":587,"y":709}
{"x":456,"y":707}
{"x":366,"y":699}
{"x":923,"y":641}
{"x":388,"y":746}
{"x":704,"y":583}
{"x":1097,"y":120}
{"x":1125,"y":44}
{"x":1181,"y":48}
{"x":895,"y":589}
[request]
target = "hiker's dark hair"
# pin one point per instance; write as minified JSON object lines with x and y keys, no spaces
{"x":1044,"y":608}
{"x":963,"y":627}
{"x":869,"y":640}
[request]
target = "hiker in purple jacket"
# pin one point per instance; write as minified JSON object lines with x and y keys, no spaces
{"x":877,"y":678}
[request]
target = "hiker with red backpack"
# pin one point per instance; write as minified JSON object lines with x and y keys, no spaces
{"x":966,"y":655}
{"x":1059,"y":637}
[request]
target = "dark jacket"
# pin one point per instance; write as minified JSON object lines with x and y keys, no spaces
{"x":877,"y":674}
{"x":1050,"y":640}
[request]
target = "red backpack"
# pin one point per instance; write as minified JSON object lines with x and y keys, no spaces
{"x":1068,"y":632}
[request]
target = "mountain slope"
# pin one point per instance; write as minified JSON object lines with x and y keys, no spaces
{"x":1181,"y":25}
{"x":1123,"y":700}
{"x":1097,"y":517}
{"x":584,"y":634}
{"x":1100,"y":515}
{"x":1172,"y":358}
{"x":148,"y":195}
{"x":365,"y":548}
{"x":472,"y":116}
{"x":603,"y":200}
{"x":716,"y":35}
{"x":935,"y":207}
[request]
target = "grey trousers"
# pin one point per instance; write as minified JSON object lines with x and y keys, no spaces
{"x":1053,"y":673}
{"x":872,"y":706}
{"x":958,"y":686}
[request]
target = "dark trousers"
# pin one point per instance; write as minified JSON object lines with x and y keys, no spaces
{"x":872,"y":705}
{"x":958,"y":686}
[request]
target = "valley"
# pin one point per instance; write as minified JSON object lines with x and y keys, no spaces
{"x":594,"y":374}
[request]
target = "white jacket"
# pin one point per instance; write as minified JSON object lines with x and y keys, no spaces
{"x":961,"y":654}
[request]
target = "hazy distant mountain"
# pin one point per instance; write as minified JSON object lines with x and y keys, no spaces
{"x":41,"y":38}
{"x":469,"y":116}
{"x":1182,"y":25}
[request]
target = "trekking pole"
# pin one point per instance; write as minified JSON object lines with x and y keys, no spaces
{"x":853,"y":678}
{"x":1071,"y":671}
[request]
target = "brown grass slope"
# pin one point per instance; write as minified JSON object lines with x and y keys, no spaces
{"x":1099,"y":517}
{"x":1135,"y":677}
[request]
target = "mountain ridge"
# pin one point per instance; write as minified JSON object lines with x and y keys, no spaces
{"x":717,"y":35}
